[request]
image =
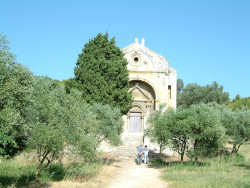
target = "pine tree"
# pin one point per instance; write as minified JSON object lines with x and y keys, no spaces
{"x":101,"y":74}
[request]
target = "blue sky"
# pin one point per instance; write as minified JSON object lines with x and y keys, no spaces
{"x":204,"y":41}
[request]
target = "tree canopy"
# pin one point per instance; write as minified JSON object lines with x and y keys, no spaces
{"x":194,"y":94}
{"x":195,"y":131}
{"x":236,"y":124}
{"x":160,"y":123}
{"x":239,"y":102}
{"x":57,"y":120}
{"x":38,"y":113}
{"x":101,"y":74}
{"x":15,"y":94}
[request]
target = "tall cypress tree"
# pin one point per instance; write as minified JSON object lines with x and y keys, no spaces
{"x":101,"y":74}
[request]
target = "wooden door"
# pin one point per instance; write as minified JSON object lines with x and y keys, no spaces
{"x":135,"y":122}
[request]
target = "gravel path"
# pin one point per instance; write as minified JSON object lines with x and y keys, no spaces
{"x":130,"y":175}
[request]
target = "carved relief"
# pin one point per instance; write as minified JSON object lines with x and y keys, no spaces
{"x":136,"y":109}
{"x":139,"y":94}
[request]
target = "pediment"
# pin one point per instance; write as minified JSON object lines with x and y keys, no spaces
{"x":139,"y":94}
{"x":141,"y":58}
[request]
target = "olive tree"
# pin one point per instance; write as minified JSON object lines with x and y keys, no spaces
{"x":58,"y":120}
{"x":195,"y":94}
{"x":46,"y":119}
{"x":159,"y":127}
{"x":181,"y":131}
{"x":236,"y":123}
{"x":15,"y":94}
{"x":239,"y":102}
{"x":110,"y":124}
{"x":195,"y":131}
{"x":240,"y":132}
{"x":207,"y":133}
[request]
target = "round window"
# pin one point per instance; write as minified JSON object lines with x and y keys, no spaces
{"x":136,"y":59}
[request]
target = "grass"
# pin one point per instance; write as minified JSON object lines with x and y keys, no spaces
{"x":13,"y":173}
{"x":19,"y":173}
{"x":229,"y":171}
{"x":216,"y":172}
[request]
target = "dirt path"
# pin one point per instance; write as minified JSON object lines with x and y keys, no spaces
{"x":130,"y":175}
{"x":121,"y":173}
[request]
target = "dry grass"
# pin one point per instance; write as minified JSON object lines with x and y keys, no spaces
{"x":227,"y":171}
{"x":99,"y":181}
{"x":20,"y":172}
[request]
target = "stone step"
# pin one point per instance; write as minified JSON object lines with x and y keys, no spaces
{"x":129,"y":147}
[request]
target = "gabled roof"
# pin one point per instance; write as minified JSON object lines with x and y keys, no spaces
{"x":141,"y":47}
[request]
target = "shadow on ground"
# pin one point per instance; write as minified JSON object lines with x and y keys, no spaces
{"x":55,"y":172}
{"x":158,"y":161}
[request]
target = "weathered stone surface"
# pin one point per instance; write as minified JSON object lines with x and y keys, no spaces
{"x":152,"y":82}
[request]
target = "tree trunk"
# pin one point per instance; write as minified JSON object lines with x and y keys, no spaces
{"x":234,"y":149}
{"x":183,"y":150}
{"x":38,"y":170}
{"x":182,"y":157}
{"x":195,"y":157}
{"x":160,"y":152}
{"x":238,"y":148}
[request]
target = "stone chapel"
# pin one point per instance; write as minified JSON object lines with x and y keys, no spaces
{"x":152,"y":82}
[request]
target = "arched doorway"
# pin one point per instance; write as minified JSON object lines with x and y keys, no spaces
{"x":143,"y":104}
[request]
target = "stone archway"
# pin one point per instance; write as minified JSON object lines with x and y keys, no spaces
{"x":143,"y":104}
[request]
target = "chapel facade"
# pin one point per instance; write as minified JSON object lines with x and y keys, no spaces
{"x":152,"y":82}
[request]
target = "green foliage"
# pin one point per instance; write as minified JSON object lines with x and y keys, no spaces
{"x":38,"y":110}
{"x":195,"y":131}
{"x":239,"y":102}
{"x":46,"y":119}
{"x":5,"y":55}
{"x":159,"y":127}
{"x":240,"y":132}
{"x":194,"y":94}
{"x":69,"y":84}
{"x":58,"y":119}
{"x":236,"y":124}
{"x":181,"y":130}
{"x":15,"y":94}
{"x":207,"y":133}
{"x":110,"y":124}
{"x":7,"y":143}
{"x":101,"y":74}
{"x":238,"y":127}
{"x":80,"y":127}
